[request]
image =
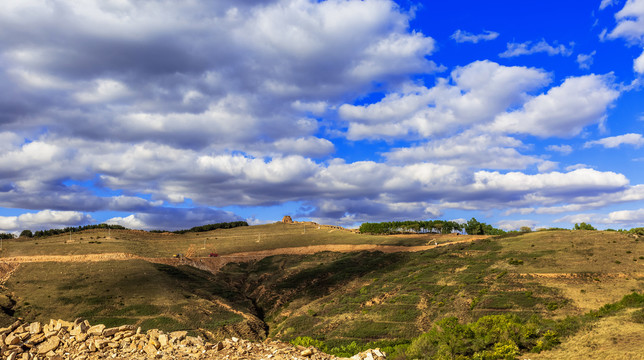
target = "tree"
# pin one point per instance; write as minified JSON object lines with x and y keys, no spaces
{"x":26,"y":233}
{"x":473,"y":227}
{"x":525,"y":229}
{"x":584,"y":226}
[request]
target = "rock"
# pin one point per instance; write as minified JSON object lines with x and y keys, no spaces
{"x":163,"y":340}
{"x":35,"y":328}
{"x":110,"y":331}
{"x":10,"y":328}
{"x":36,"y":339}
{"x":62,"y":324}
{"x":71,"y":341}
{"x":96,"y":330}
{"x":49,"y":345}
{"x":150,"y":350}
{"x":287,"y":220}
{"x":12,"y":340}
{"x":127,"y":328}
{"x":178,"y":335}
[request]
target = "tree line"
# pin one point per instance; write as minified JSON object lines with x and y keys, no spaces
{"x":51,"y":232}
{"x":472,"y":227}
{"x":208,"y":227}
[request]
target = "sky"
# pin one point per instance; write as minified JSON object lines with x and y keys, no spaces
{"x":157,"y":114}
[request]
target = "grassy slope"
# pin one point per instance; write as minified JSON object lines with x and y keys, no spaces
{"x":336,"y":297}
{"x":345,"y":297}
{"x":121,"y":292}
{"x":223,"y":241}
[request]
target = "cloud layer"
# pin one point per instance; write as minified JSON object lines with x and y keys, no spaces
{"x":161,"y":114}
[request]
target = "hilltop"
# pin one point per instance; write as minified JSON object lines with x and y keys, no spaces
{"x":344,"y":291}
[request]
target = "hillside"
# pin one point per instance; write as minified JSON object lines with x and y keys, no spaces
{"x":280,"y":287}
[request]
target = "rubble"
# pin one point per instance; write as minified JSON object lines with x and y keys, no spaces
{"x":79,"y":340}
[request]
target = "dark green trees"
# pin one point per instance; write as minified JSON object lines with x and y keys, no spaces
{"x":26,"y":233}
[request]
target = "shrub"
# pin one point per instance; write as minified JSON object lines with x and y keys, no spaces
{"x":583,"y":226}
{"x":307,"y":341}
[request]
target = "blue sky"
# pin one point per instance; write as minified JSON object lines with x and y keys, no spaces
{"x":166,"y":115}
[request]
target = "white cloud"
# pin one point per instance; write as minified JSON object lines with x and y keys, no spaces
{"x":44,"y":219}
{"x":626,"y":218}
{"x":468,"y":149}
{"x":630,"y":26}
{"x":638,"y":64}
{"x":528,"y":48}
{"x":550,"y":182}
{"x":577,"y":166}
{"x":103,"y":90}
{"x":579,"y":218}
{"x":461,"y":36}
{"x":317,"y":107}
{"x":585,"y":60}
{"x":480,"y":91}
{"x":173,"y":218}
{"x":308,"y":146}
{"x":563,"y":149}
{"x":564,"y":110}
{"x":547,"y":166}
{"x":509,"y":225}
{"x":606,"y":3}
{"x":630,"y":22}
{"x":616,"y":141}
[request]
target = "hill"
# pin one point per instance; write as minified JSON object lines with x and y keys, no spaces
{"x":270,"y":281}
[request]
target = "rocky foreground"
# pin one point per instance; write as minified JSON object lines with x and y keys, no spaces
{"x":79,"y":340}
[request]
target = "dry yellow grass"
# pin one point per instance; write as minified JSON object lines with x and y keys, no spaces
{"x":221,"y":241}
{"x":613,"y":338}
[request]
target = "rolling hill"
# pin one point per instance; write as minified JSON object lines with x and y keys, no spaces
{"x":330,"y":285}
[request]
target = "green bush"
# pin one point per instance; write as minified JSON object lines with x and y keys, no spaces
{"x":307,"y":341}
{"x":492,"y":337}
{"x":583,"y":226}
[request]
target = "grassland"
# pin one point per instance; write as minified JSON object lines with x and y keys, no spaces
{"x":338,"y":298}
{"x":122,"y":292}
{"x":222,"y":241}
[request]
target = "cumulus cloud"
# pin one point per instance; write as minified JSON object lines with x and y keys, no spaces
{"x":563,"y":149}
{"x":145,"y":108}
{"x":269,"y":56}
{"x":478,"y":92}
{"x":606,"y":3}
{"x":528,"y":48}
{"x":461,"y":36}
{"x":45,"y":219}
{"x":635,"y":140}
{"x":621,"y":218}
{"x":585,"y":61}
{"x":630,"y":22}
{"x":630,"y":26}
{"x":509,"y":225}
{"x":468,"y":149}
{"x":638,"y":64}
{"x":174,"y":218}
{"x":551,"y":183}
{"x":564,"y":110}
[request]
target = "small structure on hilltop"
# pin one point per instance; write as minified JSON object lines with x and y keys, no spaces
{"x":287,"y":220}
